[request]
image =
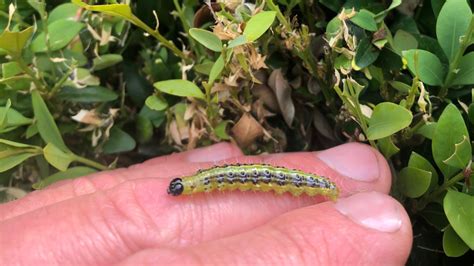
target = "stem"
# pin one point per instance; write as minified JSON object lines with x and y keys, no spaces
{"x":63,"y":79}
{"x":279,"y":15}
{"x":29,"y":72}
{"x":91,"y":163}
{"x":429,"y":198}
{"x":454,"y":65}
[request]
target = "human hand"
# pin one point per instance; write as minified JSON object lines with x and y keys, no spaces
{"x":125,"y":216}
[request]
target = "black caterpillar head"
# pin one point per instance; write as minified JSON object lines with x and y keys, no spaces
{"x":176,"y":187}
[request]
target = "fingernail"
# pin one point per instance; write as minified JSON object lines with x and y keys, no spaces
{"x":353,"y":160}
{"x":373,"y":210}
{"x":214,"y":153}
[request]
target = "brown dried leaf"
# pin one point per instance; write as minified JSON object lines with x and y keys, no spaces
{"x":283,"y":94}
{"x":266,"y":95}
{"x":246,"y":130}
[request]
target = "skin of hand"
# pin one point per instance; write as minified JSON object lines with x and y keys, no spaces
{"x":126,"y":217}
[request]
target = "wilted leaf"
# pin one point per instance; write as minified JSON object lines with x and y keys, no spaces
{"x":282,"y":91}
{"x":246,"y":130}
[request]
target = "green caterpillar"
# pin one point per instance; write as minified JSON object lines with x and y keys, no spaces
{"x":255,"y":177}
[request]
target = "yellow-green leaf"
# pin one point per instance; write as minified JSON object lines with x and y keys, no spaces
{"x":14,"y":42}
{"x":56,"y":157}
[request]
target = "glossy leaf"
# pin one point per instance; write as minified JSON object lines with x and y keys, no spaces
{"x":258,"y":25}
{"x":465,"y":75}
{"x":420,"y":162}
{"x":387,"y":118}
{"x":403,"y":41}
{"x":366,"y":53}
{"x":56,"y":157}
{"x":206,"y":38}
{"x":180,"y":87}
{"x":105,"y":61}
{"x":426,"y":66}
{"x":453,"y":245}
{"x":64,"y":11}
{"x":61,"y":32}
{"x":119,"y":141}
{"x":47,"y":127}
{"x":453,"y":22}
{"x":387,"y":147}
{"x":70,"y":173}
{"x":413,"y":182}
{"x":462,"y":154}
{"x":365,"y":19}
{"x":7,"y":163}
{"x":450,"y":130}
{"x":156,"y":102}
{"x":460,"y":213}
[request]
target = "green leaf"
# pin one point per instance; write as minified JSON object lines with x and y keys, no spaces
{"x":221,"y":130}
{"x":403,"y":41}
{"x":105,"y":61}
{"x":465,"y":75}
{"x":119,"y":141}
{"x":427,"y":130}
{"x":64,"y":11}
{"x":6,"y":163}
{"x":258,"y":25}
{"x":420,"y":162}
{"x":216,"y":69}
{"x":449,"y":131}
{"x":237,"y":42}
{"x":413,"y":182}
{"x":156,"y":102}
{"x":426,"y":66}
{"x":460,"y":213}
{"x":453,"y":245}
{"x":206,"y":38}
{"x":400,"y":86}
{"x":61,"y":32}
{"x":365,"y":19}
{"x":380,"y":16}
{"x":144,"y":129}
{"x":462,"y":154}
{"x":56,"y":157}
{"x":387,"y":147}
{"x":453,"y":23}
{"x":12,"y":119}
{"x":91,"y":94}
{"x":70,"y":173}
{"x":366,"y":53}
{"x":14,"y":144}
{"x":180,"y":87}
{"x":14,"y":42}
{"x":47,"y":128}
{"x":387,"y":119}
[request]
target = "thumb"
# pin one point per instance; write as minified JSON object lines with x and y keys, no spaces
{"x":365,"y":229}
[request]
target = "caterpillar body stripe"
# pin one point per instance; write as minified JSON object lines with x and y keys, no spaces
{"x":254,"y":177}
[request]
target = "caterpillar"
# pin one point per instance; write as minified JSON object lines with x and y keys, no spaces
{"x":255,"y":177}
